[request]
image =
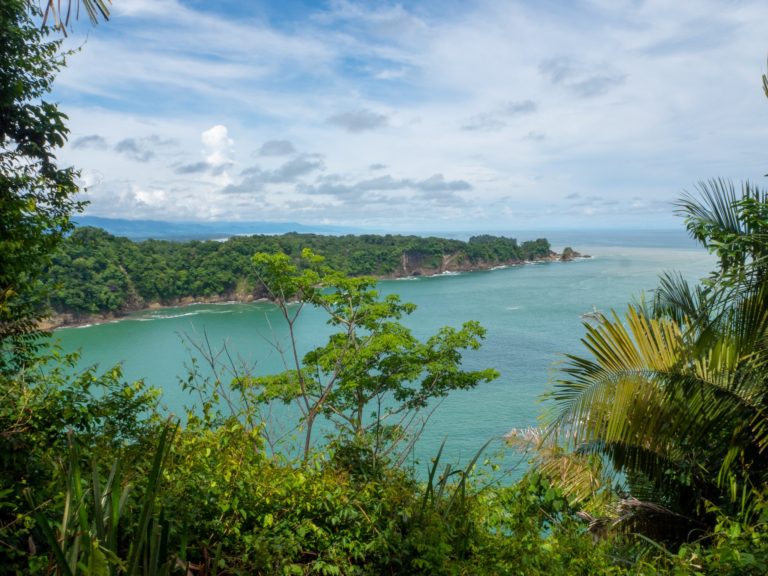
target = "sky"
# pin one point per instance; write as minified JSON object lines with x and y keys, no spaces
{"x":415,"y":116}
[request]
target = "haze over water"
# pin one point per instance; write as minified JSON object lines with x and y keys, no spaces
{"x":532,"y":314}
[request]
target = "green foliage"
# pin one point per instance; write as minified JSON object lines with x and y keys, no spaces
{"x":39,"y":407}
{"x":530,"y":528}
{"x":373,"y":376}
{"x":96,"y":280}
{"x":262,"y":515}
{"x":735,"y":547}
{"x":673,"y":395}
{"x":671,"y":402}
{"x":36,"y":196}
{"x":97,"y":273}
{"x":265,"y":516}
{"x":500,"y":249}
{"x":88,"y":539}
{"x":733,"y":226}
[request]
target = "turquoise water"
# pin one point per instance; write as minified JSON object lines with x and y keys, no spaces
{"x":532,"y":315}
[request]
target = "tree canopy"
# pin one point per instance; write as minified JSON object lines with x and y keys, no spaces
{"x":94,"y":272}
{"x":36,"y":195}
{"x":372,"y":377}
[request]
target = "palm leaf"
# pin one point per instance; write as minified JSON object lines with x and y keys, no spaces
{"x":653,"y":394}
{"x":673,"y":395}
{"x":60,"y":12}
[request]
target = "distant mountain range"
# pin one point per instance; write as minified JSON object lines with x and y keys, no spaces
{"x":159,"y":230}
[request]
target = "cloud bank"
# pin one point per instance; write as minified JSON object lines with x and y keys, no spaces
{"x":493,"y":115}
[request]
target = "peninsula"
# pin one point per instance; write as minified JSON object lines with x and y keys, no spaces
{"x":96,"y":276}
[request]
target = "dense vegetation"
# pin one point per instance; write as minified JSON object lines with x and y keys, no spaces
{"x":653,"y":460}
{"x":666,"y":416}
{"x":36,"y":196}
{"x":95,"y":272}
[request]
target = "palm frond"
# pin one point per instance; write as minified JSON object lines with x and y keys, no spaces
{"x":656,"y":395}
{"x":624,"y":371}
{"x":673,"y":395}
{"x":732,"y":225}
{"x":61,"y":12}
{"x":765,"y":85}
{"x":714,"y":208}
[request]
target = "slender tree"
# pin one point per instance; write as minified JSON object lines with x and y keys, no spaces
{"x":373,"y":377}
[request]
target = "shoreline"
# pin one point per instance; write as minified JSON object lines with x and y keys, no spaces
{"x":69,"y":320}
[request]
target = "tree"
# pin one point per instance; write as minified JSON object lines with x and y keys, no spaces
{"x":733,"y":226}
{"x":373,"y":377}
{"x":674,"y":395}
{"x":36,"y":196}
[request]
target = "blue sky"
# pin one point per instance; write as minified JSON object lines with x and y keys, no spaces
{"x":415,"y":116}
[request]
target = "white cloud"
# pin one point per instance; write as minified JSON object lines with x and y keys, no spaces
{"x":149,"y":196}
{"x":152,"y":8}
{"x":90,"y":178}
{"x":218,"y":145}
{"x":523,"y":103}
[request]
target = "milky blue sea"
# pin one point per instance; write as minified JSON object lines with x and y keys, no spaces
{"x":532,"y":314}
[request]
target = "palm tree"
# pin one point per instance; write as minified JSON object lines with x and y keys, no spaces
{"x":732,"y":225}
{"x":673,"y":396}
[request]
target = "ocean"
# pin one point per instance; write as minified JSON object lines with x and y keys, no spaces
{"x":532,"y":313}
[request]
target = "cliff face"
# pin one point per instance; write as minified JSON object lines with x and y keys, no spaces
{"x":413,"y":263}
{"x":419,"y":264}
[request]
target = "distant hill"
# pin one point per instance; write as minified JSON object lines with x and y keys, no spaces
{"x":159,"y":230}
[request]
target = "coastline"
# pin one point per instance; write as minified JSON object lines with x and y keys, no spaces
{"x":59,"y":320}
{"x":68,"y":320}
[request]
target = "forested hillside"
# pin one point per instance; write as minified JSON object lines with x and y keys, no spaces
{"x":94,"y":272}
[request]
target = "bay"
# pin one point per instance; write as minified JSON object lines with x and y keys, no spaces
{"x":532,"y":314}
